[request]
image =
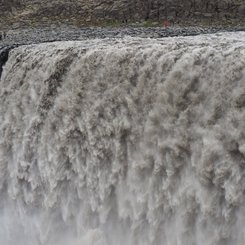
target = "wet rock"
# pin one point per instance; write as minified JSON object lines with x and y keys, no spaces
{"x":4,"y":53}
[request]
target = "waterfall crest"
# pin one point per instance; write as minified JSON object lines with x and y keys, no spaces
{"x":124,"y":141}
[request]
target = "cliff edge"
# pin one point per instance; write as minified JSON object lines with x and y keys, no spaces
{"x":16,"y":13}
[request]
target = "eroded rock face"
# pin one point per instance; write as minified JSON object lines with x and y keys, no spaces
{"x":122,"y":11}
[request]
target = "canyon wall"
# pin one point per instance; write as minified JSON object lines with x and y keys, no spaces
{"x":87,"y":12}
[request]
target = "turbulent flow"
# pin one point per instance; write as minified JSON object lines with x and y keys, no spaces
{"x":124,"y":141}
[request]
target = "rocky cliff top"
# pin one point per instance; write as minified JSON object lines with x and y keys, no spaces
{"x":23,"y":13}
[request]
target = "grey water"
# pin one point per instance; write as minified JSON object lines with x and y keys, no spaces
{"x":124,"y":141}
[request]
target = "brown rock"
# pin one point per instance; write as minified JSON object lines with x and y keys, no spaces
{"x":121,"y":11}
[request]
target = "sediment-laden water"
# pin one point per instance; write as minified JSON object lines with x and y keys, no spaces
{"x":124,"y":141}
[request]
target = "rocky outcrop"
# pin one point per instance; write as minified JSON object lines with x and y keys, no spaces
{"x":4,"y":53}
{"x":84,"y":12}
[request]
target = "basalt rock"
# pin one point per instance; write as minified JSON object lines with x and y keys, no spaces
{"x":4,"y":53}
{"x":83,"y":12}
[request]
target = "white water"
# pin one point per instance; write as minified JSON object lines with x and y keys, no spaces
{"x":126,"y":141}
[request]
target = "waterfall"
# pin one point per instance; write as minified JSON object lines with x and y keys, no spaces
{"x":124,"y":141}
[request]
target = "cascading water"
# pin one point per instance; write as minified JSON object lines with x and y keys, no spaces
{"x":124,"y":141}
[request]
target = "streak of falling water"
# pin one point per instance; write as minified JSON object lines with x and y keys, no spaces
{"x":125,"y":141}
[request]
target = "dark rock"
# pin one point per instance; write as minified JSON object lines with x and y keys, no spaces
{"x":241,"y":10}
{"x":4,"y":53}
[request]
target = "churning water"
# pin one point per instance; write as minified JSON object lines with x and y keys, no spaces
{"x":124,"y":141}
